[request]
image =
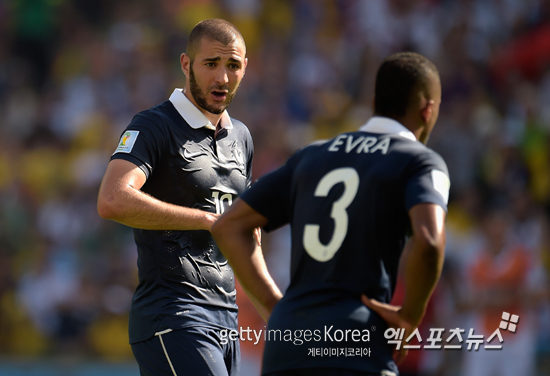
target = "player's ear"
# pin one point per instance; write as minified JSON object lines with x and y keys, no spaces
{"x":185,"y":64}
{"x":244,"y":65}
{"x":427,"y":111}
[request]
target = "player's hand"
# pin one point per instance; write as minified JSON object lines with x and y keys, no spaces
{"x":209,"y":219}
{"x":391,"y":314}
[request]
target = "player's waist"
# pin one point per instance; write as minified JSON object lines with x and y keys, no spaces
{"x":198,"y":243}
{"x":146,"y":320}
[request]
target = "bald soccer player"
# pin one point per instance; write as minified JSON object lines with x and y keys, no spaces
{"x":177,"y":167}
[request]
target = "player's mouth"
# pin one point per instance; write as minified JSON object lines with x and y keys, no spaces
{"x":218,"y":95}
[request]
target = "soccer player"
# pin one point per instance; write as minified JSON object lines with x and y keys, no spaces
{"x":176,"y":168}
{"x":350,"y":202}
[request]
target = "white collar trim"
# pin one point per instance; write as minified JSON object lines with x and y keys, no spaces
{"x":193,"y":116}
{"x":379,"y":124}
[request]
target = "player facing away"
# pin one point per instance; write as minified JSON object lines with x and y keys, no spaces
{"x":351,"y":202}
{"x":176,"y":168}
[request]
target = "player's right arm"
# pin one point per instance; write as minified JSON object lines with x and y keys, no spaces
{"x":120,"y":199}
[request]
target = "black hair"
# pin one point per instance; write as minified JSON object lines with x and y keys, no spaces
{"x":398,"y":78}
{"x":215,"y":29}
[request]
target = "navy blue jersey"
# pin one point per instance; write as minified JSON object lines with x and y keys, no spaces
{"x":347,"y":201}
{"x":184,"y":280}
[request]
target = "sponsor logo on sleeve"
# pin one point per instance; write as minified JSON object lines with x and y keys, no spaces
{"x":127,"y":142}
{"x":441,"y":184}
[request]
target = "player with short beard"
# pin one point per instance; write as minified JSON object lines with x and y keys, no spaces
{"x":200,"y":97}
{"x":177,"y":167}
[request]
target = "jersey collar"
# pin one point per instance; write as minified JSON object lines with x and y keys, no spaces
{"x":379,"y":124}
{"x":193,"y":116}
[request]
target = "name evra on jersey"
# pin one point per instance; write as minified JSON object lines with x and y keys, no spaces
{"x":361,"y":145}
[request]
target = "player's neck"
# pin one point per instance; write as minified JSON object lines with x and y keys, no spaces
{"x":409,"y":123}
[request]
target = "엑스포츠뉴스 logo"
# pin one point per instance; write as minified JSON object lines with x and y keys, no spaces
{"x":454,"y":340}
{"x":509,"y":322}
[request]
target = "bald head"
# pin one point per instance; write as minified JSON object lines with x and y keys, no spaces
{"x":214,"y":29}
{"x":400,"y":80}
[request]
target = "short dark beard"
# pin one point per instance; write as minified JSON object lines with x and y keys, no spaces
{"x":200,"y":97}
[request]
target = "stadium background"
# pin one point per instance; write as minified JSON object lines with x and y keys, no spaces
{"x":73,"y":73}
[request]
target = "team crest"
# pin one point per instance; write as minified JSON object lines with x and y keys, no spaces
{"x":237,"y":154}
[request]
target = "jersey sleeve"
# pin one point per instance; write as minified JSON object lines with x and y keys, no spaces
{"x":141,"y":143}
{"x":250,"y":152}
{"x":428,"y":182}
{"x":270,"y":196}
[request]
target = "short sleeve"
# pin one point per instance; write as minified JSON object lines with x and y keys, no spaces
{"x":141,"y":143}
{"x":250,"y":152}
{"x":270,"y":196}
{"x":428,"y":182}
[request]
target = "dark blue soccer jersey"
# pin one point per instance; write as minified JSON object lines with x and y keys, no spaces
{"x":347,"y":201}
{"x":184,"y":280}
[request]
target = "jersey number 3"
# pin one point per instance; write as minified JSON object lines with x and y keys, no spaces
{"x":312,"y":244}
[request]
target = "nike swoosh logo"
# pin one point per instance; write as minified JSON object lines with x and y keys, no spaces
{"x":188,"y":155}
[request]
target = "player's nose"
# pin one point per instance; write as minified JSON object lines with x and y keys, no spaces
{"x":222,"y":77}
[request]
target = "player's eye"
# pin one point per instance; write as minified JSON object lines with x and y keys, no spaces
{"x":210,"y":64}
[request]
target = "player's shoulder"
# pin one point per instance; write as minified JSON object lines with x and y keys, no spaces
{"x":423,"y":151}
{"x":241,"y":132}
{"x":155,"y":116}
{"x":311,"y":147}
{"x":422,"y":155}
{"x":239,"y":126}
{"x":413,"y":148}
{"x":316,"y":144}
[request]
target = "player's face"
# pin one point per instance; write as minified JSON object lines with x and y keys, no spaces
{"x":216,"y":73}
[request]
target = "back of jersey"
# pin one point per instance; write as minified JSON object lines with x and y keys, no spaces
{"x":349,"y":217}
{"x":347,"y":202}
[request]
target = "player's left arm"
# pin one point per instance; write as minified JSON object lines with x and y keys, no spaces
{"x":235,"y":235}
{"x":423,"y":263}
{"x":426,"y":196}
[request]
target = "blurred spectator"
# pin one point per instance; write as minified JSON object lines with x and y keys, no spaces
{"x":499,"y":275}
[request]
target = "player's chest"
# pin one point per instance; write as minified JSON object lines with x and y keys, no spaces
{"x":204,"y":162}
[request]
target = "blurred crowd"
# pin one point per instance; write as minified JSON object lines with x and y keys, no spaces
{"x":74,"y":72}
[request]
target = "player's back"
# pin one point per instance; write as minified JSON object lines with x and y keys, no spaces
{"x":349,"y":216}
{"x":348,"y":201}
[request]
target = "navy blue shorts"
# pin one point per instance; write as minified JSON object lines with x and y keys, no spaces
{"x":190,"y":351}
{"x":326,"y":324}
